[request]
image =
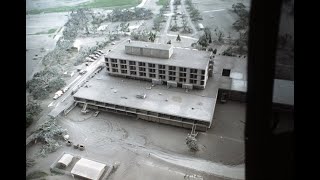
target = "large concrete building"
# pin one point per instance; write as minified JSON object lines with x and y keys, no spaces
{"x":158,"y":63}
{"x":116,"y":88}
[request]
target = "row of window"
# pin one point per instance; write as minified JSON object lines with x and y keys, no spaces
{"x":161,"y":72}
{"x":151,"y":65}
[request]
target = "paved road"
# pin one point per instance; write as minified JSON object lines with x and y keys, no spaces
{"x":78,"y":81}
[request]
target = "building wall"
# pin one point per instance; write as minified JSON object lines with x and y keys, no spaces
{"x":181,"y":75}
{"x":144,"y":114}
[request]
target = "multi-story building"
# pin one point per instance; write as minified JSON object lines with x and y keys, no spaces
{"x":161,"y":64}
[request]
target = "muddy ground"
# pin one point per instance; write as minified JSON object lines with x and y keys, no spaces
{"x":112,"y":137}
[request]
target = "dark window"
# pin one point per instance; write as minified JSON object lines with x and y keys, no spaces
{"x":124,"y":71}
{"x":114,"y":65}
{"x":162,"y":72}
{"x":182,"y":80}
{"x":142,"y":64}
{"x":123,"y":61}
{"x":124,"y":66}
{"x":142,"y":74}
{"x":151,"y":65}
{"x":107,"y":64}
{"x":226,"y":72}
{"x":201,"y":82}
{"x":106,"y":59}
{"x":152,"y":70}
{"x":162,"y":66}
{"x":162,"y":77}
{"x":152,"y":75}
{"x":183,"y":69}
{"x":108,"y":69}
{"x":193,"y":71}
{"x":142,"y":69}
{"x":193,"y":76}
{"x":114,"y":70}
{"x":133,"y":72}
{"x":182,"y":74}
{"x":172,"y":78}
{"x":203,"y":72}
{"x":132,"y":63}
{"x":114,"y":60}
{"x":172,"y":73}
{"x":202,"y":77}
{"x":132,"y":68}
{"x":172,"y":68}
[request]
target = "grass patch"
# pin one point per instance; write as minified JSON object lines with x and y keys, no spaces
{"x":94,"y":4}
{"x":162,"y":2}
{"x":36,"y":174}
{"x":50,"y":31}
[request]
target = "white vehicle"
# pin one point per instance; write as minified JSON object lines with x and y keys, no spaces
{"x":89,"y":59}
{"x":100,"y":51}
{"x":57,"y":94}
{"x":65,"y":89}
{"x":113,"y":43}
{"x":83,"y":71}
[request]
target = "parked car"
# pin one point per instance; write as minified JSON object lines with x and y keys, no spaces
{"x":57,"y":94}
{"x":83,"y":71}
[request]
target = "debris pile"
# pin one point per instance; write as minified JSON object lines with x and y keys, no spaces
{"x":49,"y":134}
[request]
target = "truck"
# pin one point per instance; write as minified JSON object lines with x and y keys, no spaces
{"x":57,"y":94}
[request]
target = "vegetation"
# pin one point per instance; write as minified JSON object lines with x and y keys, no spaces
{"x":157,"y":23}
{"x":193,"y":11}
{"x":178,"y":38}
{"x":205,"y":39}
{"x":50,"y":31}
{"x":130,"y":15}
{"x":177,"y":2}
{"x":33,"y":109}
{"x":30,"y":162}
{"x":43,"y":83}
{"x":241,"y":25}
{"x":93,"y":4}
{"x":152,"y":36}
{"x":140,"y":36}
{"x":163,"y":2}
{"x":36,"y":175}
{"x":49,"y":134}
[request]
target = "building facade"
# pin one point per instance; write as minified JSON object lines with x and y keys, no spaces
{"x":163,"y":69}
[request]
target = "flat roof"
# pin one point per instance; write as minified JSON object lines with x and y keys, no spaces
{"x":88,"y":169}
{"x":142,"y":44}
{"x":283,"y":92}
{"x":237,"y":81}
{"x":113,"y":90}
{"x":181,"y":57}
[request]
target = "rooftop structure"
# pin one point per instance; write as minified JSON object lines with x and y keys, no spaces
{"x":149,"y":49}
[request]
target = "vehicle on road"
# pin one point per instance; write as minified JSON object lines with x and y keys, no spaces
{"x":113,"y":43}
{"x":57,"y":94}
{"x":83,"y":71}
{"x":65,"y":89}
